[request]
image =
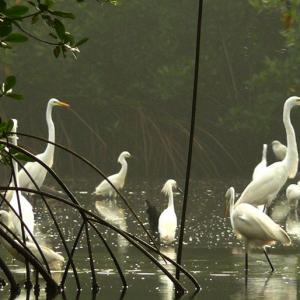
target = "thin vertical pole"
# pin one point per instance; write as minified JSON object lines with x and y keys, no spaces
{"x":191,"y":139}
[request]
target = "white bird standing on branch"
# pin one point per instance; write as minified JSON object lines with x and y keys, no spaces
{"x":167,"y":222}
{"x":262,"y":165}
{"x":264,"y":189}
{"x":253,"y":226}
{"x":279,"y":150}
{"x":19,"y":203}
{"x":118,"y":180}
{"x":35,"y":169}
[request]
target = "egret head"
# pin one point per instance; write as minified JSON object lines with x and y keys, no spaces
{"x":124,"y":155}
{"x":276,"y":143}
{"x":228,"y":197}
{"x":169,"y":186}
{"x":55,"y":102}
{"x":292,"y":101}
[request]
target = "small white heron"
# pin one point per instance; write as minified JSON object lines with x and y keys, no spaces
{"x":253,"y":226}
{"x":279,"y":150}
{"x":118,"y":180}
{"x":262,"y":165}
{"x":167,"y":222}
{"x":262,"y":190}
{"x":54,"y":259}
{"x":35,"y":169}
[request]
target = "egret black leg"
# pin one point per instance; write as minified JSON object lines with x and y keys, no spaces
{"x":268,"y":259}
{"x":246,"y":261}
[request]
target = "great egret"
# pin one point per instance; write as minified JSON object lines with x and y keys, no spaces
{"x":54,"y":260}
{"x":293,"y":195}
{"x":118,"y":180}
{"x":263,"y":190}
{"x":253,"y":226}
{"x":167,"y":221}
{"x":279,"y":150}
{"x":35,"y":169}
{"x":18,"y":202}
{"x":262,"y":165}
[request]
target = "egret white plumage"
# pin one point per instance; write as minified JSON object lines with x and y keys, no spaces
{"x":292,"y":221}
{"x":253,"y":226}
{"x":262,"y":165}
{"x":263,"y":190}
{"x":19,"y":203}
{"x":35,"y":169}
{"x":293,"y":195}
{"x":279,"y":150}
{"x":167,"y":222}
{"x":54,"y":260}
{"x":118,"y":180}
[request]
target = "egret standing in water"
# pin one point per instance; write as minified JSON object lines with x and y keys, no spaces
{"x":54,"y":260}
{"x":18,"y":202}
{"x":35,"y":169}
{"x":279,"y":150}
{"x":264,"y":189}
{"x":254,"y":227}
{"x":167,"y":222}
{"x":118,"y":180}
{"x":262,"y":165}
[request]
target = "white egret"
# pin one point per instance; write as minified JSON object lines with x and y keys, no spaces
{"x":253,"y":226}
{"x":263,"y":190}
{"x":292,"y":221}
{"x":279,"y":150}
{"x":118,"y":180}
{"x":54,"y":259}
{"x":262,"y":165}
{"x":19,"y":203}
{"x":35,"y":169}
{"x":167,"y":222}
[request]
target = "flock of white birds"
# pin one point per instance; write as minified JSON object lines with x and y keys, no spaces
{"x":248,"y":216}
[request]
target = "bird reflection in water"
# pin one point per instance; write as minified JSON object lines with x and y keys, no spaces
{"x":167,"y":286}
{"x":111,"y":212}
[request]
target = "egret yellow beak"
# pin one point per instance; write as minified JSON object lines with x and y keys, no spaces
{"x":63,"y":104}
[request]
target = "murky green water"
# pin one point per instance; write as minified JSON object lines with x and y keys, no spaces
{"x":211,"y":252}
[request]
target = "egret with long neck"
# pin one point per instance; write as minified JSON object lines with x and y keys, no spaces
{"x":263,"y":189}
{"x":21,"y":206}
{"x":254,"y":227}
{"x":35,"y":169}
{"x":167,"y":222}
{"x":118,"y":180}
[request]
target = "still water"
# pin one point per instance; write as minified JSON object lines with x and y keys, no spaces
{"x":211,"y":252}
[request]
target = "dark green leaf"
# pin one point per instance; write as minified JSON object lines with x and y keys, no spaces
{"x":5,"y":28}
{"x":53,"y":35}
{"x":56,"y":51}
{"x":16,"y":38}
{"x":10,"y":82}
{"x":16,"y":11}
{"x":43,"y":7}
{"x":82,"y":41}
{"x":63,"y":14}
{"x":69,"y":38}
{"x":60,"y":29}
{"x":23,"y":157}
{"x":2,"y":5}
{"x":14,"y":96}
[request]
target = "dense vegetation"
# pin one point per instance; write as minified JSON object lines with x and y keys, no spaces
{"x":132,"y":82}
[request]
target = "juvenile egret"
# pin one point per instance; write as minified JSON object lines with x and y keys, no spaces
{"x":167,"y":221}
{"x":262,"y":165}
{"x":118,"y":180}
{"x":263,"y":190}
{"x":35,"y":169}
{"x":19,"y":202}
{"x":253,"y":226}
{"x":279,"y":150}
{"x":54,"y":260}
